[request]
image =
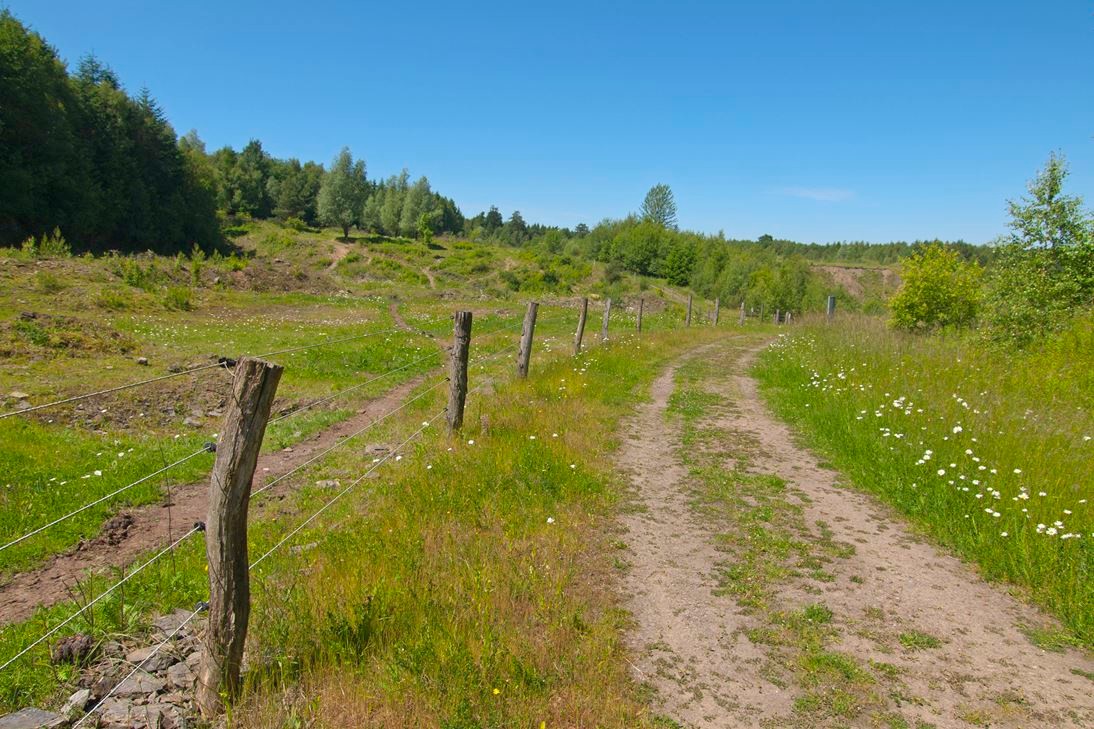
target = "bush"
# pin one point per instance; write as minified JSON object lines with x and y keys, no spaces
{"x":47,"y":283}
{"x":113,"y":299}
{"x":177,"y":298}
{"x":939,"y":289}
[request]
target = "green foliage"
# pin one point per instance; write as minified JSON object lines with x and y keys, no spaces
{"x":425,"y":230}
{"x":177,"y":298}
{"x":939,"y":289}
{"x":342,"y":192}
{"x":659,"y":207}
{"x":197,"y":265}
{"x":1044,"y":273}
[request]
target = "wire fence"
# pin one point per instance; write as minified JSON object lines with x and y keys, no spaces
{"x":503,"y":327}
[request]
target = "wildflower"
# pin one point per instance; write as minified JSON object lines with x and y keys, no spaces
{"x":957,"y":429}
{"x":471,"y":442}
{"x":550,"y":520}
{"x":1002,"y":534}
{"x":1017,"y":470}
{"x":942,"y":472}
{"x":497,"y":691}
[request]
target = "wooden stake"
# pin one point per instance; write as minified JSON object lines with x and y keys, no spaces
{"x":457,"y":370}
{"x":226,"y":533}
{"x":741,"y":321}
{"x":831,"y":310}
{"x":607,"y":316}
{"x":776,"y":316}
{"x":717,"y":307}
{"x":688,"y":322}
{"x":641,"y":306}
{"x":525,"y":352}
{"x":581,"y":325}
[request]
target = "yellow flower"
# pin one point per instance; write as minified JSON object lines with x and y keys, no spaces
{"x":497,"y":691}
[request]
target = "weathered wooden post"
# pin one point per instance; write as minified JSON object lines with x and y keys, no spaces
{"x":717,"y":307}
{"x":641,"y":306}
{"x":741,"y":320}
{"x":788,"y":315}
{"x":457,"y":370}
{"x":776,"y":316}
{"x":607,"y":316}
{"x":831,"y":311}
{"x":525,"y":352}
{"x":687,"y":322}
{"x":581,"y":325}
{"x":226,"y":533}
{"x":761,"y":313}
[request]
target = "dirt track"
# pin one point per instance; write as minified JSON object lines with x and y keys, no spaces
{"x":155,"y":525}
{"x":693,"y":646}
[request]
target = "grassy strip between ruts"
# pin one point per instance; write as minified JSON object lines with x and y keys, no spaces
{"x":768,"y":546}
{"x":990,"y":453}
{"x":463,"y":587}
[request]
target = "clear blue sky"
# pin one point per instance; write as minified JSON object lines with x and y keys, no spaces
{"x":808,"y":120}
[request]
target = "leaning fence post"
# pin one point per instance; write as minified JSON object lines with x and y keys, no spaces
{"x":581,"y":325}
{"x":688,"y":321}
{"x":831,"y":310}
{"x":607,"y":316}
{"x":741,"y":321}
{"x":226,"y":533}
{"x":526,"y":333}
{"x":457,"y":370}
{"x":641,"y":306}
{"x":717,"y":309}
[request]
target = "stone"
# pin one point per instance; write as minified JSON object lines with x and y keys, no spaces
{"x":75,"y":649}
{"x":140,"y":684}
{"x":194,"y":660}
{"x":16,"y":395}
{"x":142,"y":361}
{"x":179,"y":676}
{"x":31,"y":718}
{"x":166,"y":624}
{"x":114,"y":713}
{"x":192,"y":422}
{"x":22,"y":405}
{"x":300,"y":548}
{"x":112,"y":649}
{"x":78,"y":702}
{"x":328,"y":483}
{"x":150,"y":660}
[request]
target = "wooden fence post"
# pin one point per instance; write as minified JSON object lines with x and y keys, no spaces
{"x":226,"y":533}
{"x":581,"y":325}
{"x":641,"y":306}
{"x":831,"y":310}
{"x":788,"y":316}
{"x":457,"y":370}
{"x":741,"y":321}
{"x":607,"y":316}
{"x":761,"y":313}
{"x":525,"y":352}
{"x":687,"y":323}
{"x":776,"y":316}
{"x":717,"y":310}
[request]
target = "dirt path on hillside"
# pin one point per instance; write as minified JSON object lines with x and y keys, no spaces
{"x":693,"y":646}
{"x":153,"y":526}
{"x":341,"y":250}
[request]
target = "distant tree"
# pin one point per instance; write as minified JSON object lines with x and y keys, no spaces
{"x":581,"y":230}
{"x":342,"y":192}
{"x":938,"y":289}
{"x":679,"y":264}
{"x":493,"y":221}
{"x":248,"y":180}
{"x":294,"y":189}
{"x":516,"y":230}
{"x":418,"y":202}
{"x":370,"y":214}
{"x":395,"y":194}
{"x":1048,"y":218}
{"x":660,"y":207}
{"x":425,"y":230}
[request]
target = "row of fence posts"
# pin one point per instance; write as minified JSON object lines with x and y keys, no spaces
{"x":254,"y":386}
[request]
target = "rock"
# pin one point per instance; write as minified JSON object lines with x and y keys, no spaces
{"x":299,"y":548}
{"x":112,"y":649}
{"x":22,"y":405}
{"x":167,"y":624}
{"x":194,"y":660}
{"x":142,"y":361}
{"x":192,"y":422}
{"x":150,"y":660}
{"x":75,"y":649}
{"x":179,"y":676}
{"x":114,"y":713}
{"x":31,"y":718}
{"x":328,"y":483}
{"x":78,"y":702}
{"x":102,"y":687}
{"x":16,"y":395}
{"x":175,"y":369}
{"x":214,"y":414}
{"x":376,"y":449}
{"x":140,"y":684}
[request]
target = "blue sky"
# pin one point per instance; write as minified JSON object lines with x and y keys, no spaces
{"x":812,"y":121}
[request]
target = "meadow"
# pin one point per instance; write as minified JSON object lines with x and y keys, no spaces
{"x":988,"y":452}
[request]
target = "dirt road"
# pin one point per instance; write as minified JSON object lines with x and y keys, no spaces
{"x":767,"y":594}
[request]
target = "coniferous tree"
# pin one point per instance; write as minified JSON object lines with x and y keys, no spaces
{"x":660,"y":207}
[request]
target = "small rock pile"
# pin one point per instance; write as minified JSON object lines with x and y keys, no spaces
{"x":157,"y":696}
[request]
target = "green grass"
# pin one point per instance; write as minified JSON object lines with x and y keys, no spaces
{"x":985,"y":450}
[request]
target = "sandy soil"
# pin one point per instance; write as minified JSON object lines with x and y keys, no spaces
{"x":138,"y":530}
{"x":689,"y":643}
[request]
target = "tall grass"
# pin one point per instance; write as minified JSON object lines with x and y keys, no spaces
{"x":990,"y":452}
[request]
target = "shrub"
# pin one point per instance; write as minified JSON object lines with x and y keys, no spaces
{"x":296,"y":224}
{"x":177,"y":298}
{"x":54,"y":245}
{"x":939,"y":289}
{"x":47,"y":283}
{"x":114,"y":299}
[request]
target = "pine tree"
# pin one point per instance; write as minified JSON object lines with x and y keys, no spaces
{"x":660,"y":207}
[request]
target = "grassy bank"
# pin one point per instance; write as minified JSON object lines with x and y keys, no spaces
{"x":989,"y":453}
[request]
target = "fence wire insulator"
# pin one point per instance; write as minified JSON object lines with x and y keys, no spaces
{"x":202,"y":606}
{"x":210,"y":447}
{"x":199,"y":526}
